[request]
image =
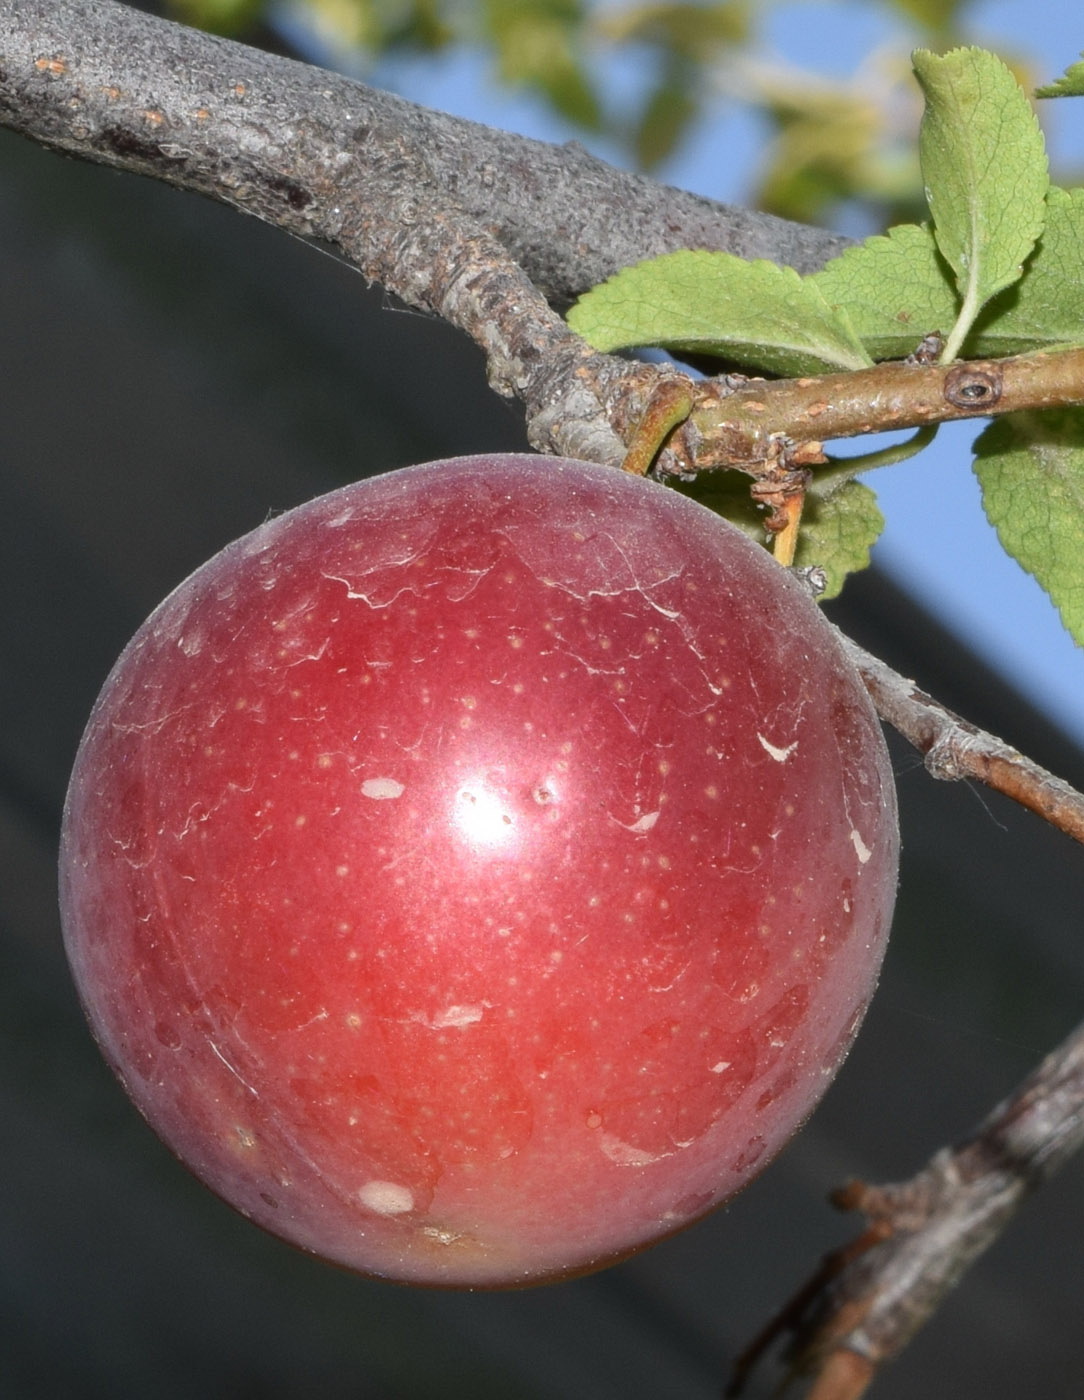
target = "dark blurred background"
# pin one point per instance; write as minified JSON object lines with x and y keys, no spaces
{"x":172,"y":373}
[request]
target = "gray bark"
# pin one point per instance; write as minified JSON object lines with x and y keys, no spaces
{"x":313,"y":151}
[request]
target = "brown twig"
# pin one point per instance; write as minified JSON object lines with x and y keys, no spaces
{"x":955,"y":749}
{"x":866,"y":1302}
{"x":736,"y":427}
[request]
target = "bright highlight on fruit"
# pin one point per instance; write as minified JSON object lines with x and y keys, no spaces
{"x":479,"y":873}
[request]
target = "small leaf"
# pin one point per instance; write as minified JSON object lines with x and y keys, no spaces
{"x":218,"y":16}
{"x":984,"y":167}
{"x":1046,"y":307}
{"x":696,"y":32}
{"x":1031,"y":469}
{"x":895,"y":289}
{"x":1070,"y":84}
{"x":838,"y":531}
{"x":839,"y":525}
{"x":538,"y":45}
{"x":752,"y":313}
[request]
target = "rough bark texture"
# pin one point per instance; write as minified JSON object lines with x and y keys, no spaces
{"x":321,"y":154}
{"x":486,"y":229}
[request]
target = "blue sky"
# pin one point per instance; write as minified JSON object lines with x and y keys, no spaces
{"x":937,"y":543}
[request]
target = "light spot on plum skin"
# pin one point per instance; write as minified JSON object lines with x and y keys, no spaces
{"x":779,"y":754}
{"x":386,"y":1197}
{"x":623,"y":1154}
{"x":445,"y":1237}
{"x":381,"y":789}
{"x":861,"y":850}
{"x":459,"y":1016}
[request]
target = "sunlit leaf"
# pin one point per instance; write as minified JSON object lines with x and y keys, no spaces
{"x":1031,"y":469}
{"x":667,"y":114}
{"x":538,"y":45}
{"x":691,"y":31}
{"x":219,"y":16}
{"x":938,"y":16}
{"x":1070,"y":84}
{"x":756,"y":314}
{"x":896,"y":288}
{"x":1046,"y":306}
{"x":984,"y":168}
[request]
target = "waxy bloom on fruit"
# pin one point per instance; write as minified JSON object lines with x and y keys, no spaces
{"x":480,"y":872}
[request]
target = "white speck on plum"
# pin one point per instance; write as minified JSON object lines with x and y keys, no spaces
{"x":625,"y":1155}
{"x":380,"y":789}
{"x":720,"y":1066}
{"x":457,"y":1016}
{"x":861,"y":850}
{"x":780,"y":755}
{"x":434,"y":1232}
{"x":641,"y":825}
{"x":386,"y":1197}
{"x":343,"y":518}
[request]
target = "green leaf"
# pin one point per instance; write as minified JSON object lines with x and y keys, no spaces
{"x":984,"y":168}
{"x":696,"y":32}
{"x":1031,"y":469}
{"x":894,"y":288}
{"x":755,"y":314}
{"x":1046,"y":307}
{"x":539,"y":45}
{"x":219,"y":16}
{"x":840,"y":523}
{"x":838,"y":530}
{"x":1070,"y":84}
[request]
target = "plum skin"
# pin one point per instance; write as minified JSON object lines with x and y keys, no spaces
{"x":481,"y":871}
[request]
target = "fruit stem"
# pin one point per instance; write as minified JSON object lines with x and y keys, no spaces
{"x":785,"y":541}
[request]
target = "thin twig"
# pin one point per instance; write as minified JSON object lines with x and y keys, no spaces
{"x":955,"y":749}
{"x":866,"y":1302}
{"x":729,"y":427}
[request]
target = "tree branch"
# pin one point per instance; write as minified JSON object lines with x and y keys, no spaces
{"x":738,"y":427}
{"x":290,"y":143}
{"x":479,"y":226}
{"x":489,"y":230}
{"x":955,"y":749}
{"x":868,"y":1300}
